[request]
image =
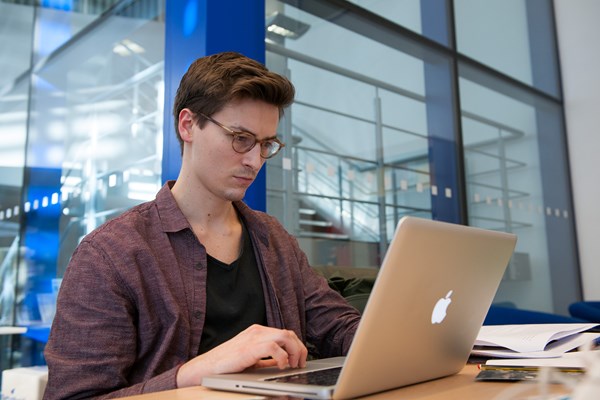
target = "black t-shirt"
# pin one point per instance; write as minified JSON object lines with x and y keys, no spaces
{"x":234,"y":297}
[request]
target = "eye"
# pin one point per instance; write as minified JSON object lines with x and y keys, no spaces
{"x":244,"y":139}
{"x":269,"y":145}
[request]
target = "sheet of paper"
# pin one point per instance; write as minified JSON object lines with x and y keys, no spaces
{"x":577,"y":359}
{"x":555,"y":349}
{"x":526,"y":337}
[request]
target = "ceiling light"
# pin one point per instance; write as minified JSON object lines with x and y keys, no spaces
{"x":133,"y":46}
{"x":279,"y":25}
{"x":127,"y":47}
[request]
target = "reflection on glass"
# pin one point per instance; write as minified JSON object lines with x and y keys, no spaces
{"x":503,"y":148}
{"x":374,"y":134}
{"x":16,"y":25}
{"x":95,"y":148}
{"x":358,"y":150}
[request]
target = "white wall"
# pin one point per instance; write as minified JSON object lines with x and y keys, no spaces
{"x":578,"y":37}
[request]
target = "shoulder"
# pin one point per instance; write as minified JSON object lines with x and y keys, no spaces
{"x":149,"y":219}
{"x":133,"y":227}
{"x":132,"y":219}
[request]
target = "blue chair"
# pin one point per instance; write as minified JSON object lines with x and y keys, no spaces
{"x":506,"y":314}
{"x":586,"y":310}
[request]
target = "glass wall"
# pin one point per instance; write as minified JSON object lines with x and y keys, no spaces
{"x":15,"y":20}
{"x":379,"y":105}
{"x":429,"y":18}
{"x":362,"y":134}
{"x":516,"y":38}
{"x":516,"y":165}
{"x":516,"y":175}
{"x":85,"y":122}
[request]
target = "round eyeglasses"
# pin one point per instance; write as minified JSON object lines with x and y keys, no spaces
{"x":243,"y":142}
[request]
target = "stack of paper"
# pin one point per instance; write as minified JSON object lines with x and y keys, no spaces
{"x":532,"y":340}
{"x":573,"y":360}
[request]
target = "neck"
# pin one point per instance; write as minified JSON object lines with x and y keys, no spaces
{"x":203,"y":209}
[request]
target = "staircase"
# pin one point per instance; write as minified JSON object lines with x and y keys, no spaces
{"x":313,"y":224}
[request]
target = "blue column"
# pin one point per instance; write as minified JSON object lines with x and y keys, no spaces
{"x":443,"y":118}
{"x":195,"y":28}
{"x":444,"y":146}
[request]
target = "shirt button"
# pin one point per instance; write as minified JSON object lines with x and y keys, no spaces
{"x":198,"y":314}
{"x":198,"y":266}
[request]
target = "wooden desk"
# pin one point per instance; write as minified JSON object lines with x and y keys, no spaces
{"x":461,"y":386}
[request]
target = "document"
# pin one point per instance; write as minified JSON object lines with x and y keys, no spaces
{"x":531,"y":340}
{"x":573,"y":360}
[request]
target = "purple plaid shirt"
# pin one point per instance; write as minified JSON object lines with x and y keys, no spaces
{"x":132,"y":302}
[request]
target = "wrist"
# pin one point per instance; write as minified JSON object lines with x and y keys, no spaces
{"x":192,"y":372}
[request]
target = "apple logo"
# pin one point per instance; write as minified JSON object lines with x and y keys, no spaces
{"x":439,"y":311}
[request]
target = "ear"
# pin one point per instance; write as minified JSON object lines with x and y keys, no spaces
{"x":185,"y":124}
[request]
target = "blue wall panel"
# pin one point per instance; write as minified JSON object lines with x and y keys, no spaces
{"x":195,"y":28}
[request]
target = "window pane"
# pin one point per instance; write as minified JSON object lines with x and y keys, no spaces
{"x":426,"y":17}
{"x":360,"y":133}
{"x":16,"y":33}
{"x":95,"y":140}
{"x":516,"y":173}
{"x":513,"y":37}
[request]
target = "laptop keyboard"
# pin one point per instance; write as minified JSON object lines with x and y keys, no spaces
{"x":323,"y":377}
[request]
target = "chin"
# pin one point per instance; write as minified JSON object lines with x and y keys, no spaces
{"x":235,"y":196}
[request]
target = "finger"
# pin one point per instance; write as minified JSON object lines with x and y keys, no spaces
{"x":265,"y":363}
{"x":282,"y":345}
{"x":294,"y":357}
{"x":295,"y":349}
{"x":301,"y":352}
{"x":278,"y":354}
{"x":303,"y":357}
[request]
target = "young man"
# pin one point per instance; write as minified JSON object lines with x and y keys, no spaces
{"x":194,"y":282}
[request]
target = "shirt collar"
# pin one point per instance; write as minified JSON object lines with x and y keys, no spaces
{"x":171,"y":217}
{"x":173,"y":220}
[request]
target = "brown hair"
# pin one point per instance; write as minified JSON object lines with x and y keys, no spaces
{"x":213,"y":81}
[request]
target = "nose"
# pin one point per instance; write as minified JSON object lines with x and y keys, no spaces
{"x":253,"y":159}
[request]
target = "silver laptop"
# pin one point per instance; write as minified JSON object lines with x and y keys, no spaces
{"x":432,"y":293}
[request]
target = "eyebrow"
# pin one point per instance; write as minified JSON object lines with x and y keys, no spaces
{"x":242,"y":129}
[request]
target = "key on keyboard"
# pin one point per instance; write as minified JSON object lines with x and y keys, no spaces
{"x":323,"y":377}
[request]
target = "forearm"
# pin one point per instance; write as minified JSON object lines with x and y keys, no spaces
{"x":164,"y":381}
{"x":74,"y":388}
{"x":331,"y":321}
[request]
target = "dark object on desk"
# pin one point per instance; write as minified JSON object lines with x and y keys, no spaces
{"x":506,"y":314}
{"x":507,"y":373}
{"x":587,"y":310}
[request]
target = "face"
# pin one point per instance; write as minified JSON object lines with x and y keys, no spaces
{"x":210,"y":162}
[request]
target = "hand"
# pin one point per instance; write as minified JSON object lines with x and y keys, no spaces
{"x":257,"y":346}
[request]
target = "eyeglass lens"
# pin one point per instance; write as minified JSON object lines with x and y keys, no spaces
{"x":243,"y":142}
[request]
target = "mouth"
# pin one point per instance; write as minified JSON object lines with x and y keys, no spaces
{"x":245,"y":179}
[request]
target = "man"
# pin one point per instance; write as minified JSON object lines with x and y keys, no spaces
{"x":194,"y":282}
